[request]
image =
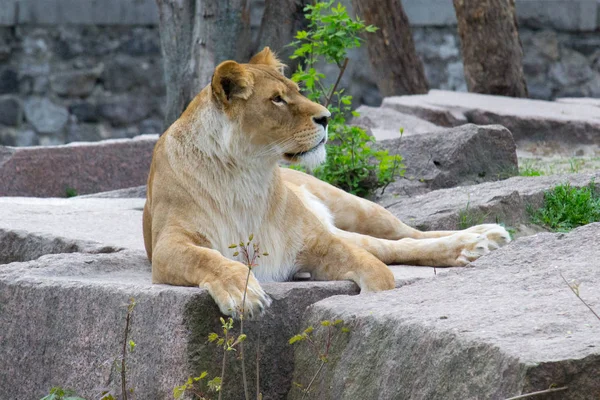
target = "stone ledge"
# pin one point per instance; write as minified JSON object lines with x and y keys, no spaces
{"x":507,"y":326}
{"x":47,"y":171}
{"x":503,"y":201}
{"x":527,"y":119}
{"x":65,"y":313}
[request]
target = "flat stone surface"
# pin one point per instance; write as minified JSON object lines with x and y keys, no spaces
{"x":114,"y":222}
{"x":525,"y":118}
{"x":385,"y":123}
{"x":580,"y":100}
{"x":85,"y":167}
{"x":503,"y":201}
{"x":509,"y":325}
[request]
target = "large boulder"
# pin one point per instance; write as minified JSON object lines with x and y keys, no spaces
{"x":458,"y":156}
{"x":83,"y":167}
{"x":508,"y":326}
{"x":527,"y":119}
{"x":505,"y":201}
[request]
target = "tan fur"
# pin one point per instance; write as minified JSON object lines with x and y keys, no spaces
{"x":214,"y":180}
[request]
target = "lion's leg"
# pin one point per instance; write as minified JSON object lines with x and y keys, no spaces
{"x":354,"y":214}
{"x":185,"y":259}
{"x":328,"y":257}
{"x":454,"y":250}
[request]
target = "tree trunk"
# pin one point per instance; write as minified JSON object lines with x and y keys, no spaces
{"x":491,"y":48}
{"x":196,"y":35}
{"x":280,"y":22}
{"x":396,"y":66}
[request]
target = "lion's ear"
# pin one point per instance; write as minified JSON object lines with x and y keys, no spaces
{"x":231,"y":80}
{"x":267,"y":57}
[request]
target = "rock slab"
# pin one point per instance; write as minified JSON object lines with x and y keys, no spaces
{"x":86,"y":168}
{"x":508,"y":326}
{"x":458,"y":156}
{"x":527,"y":119}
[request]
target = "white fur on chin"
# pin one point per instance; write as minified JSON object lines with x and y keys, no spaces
{"x":314,"y":158}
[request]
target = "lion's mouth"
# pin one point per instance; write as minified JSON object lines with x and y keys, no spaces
{"x":300,"y":154}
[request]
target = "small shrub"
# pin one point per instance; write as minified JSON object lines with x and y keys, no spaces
{"x":70,"y":192}
{"x":566,"y":208}
{"x":58,"y":393}
{"x":351,"y":164}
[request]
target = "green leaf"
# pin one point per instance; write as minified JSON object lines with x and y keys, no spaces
{"x":296,"y":338}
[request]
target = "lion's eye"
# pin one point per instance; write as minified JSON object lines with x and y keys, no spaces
{"x":278,"y":100}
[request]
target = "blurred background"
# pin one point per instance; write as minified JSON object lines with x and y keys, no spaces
{"x":88,"y":70}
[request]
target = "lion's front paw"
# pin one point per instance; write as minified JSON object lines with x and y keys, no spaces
{"x":228,"y":292}
{"x":496,"y":235}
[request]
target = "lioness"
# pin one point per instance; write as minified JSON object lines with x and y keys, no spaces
{"x":214,"y":180}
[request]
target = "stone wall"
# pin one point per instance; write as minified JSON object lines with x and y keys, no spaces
{"x":86,"y":70}
{"x":60,"y":84}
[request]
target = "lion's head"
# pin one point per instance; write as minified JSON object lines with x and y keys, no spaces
{"x":268,"y":110}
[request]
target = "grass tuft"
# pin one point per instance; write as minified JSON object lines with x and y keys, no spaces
{"x":566,"y":208}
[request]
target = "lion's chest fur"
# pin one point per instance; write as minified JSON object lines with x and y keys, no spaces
{"x":230,"y":203}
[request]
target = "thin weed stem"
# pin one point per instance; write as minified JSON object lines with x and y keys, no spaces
{"x":242,"y":317}
{"x":579,"y":297}
{"x":306,"y":391}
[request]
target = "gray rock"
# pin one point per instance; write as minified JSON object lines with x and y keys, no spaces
{"x":124,"y":73}
{"x":85,"y":167}
{"x":573,"y":69}
{"x":18,"y":246}
{"x":51,"y":140}
{"x":124,"y":109}
{"x":85,"y":294}
{"x":115,"y":223}
{"x":526,"y":119}
{"x":508,"y":326}
{"x":385,"y":123}
{"x":429,"y":112}
{"x":129,"y":193}
{"x":46,"y":116}
{"x":9,"y":80}
{"x":170,"y":327}
{"x":463,"y":155}
{"x":26,"y":137}
{"x":17,"y":137}
{"x":579,"y":100}
{"x":83,"y":133}
{"x":78,"y":83}
{"x":504,"y":201}
{"x":11,"y":111}
{"x":151,"y":127}
{"x":85,"y":111}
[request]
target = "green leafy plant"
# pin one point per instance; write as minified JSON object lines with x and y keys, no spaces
{"x":352,"y":164}
{"x":70,"y":192}
{"x":58,"y":393}
{"x":566,"y":207}
{"x":320,"y":348}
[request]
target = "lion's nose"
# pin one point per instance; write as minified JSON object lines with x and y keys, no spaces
{"x":321,"y":121}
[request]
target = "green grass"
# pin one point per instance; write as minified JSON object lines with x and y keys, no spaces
{"x":70,"y":192}
{"x":529,"y":169}
{"x":468,"y":217}
{"x":566,"y":207}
